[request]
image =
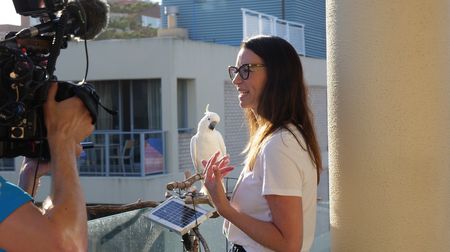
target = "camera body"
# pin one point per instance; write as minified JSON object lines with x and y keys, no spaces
{"x":38,"y":7}
{"x":24,"y":84}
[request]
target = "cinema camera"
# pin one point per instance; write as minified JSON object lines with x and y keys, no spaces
{"x":27,"y":63}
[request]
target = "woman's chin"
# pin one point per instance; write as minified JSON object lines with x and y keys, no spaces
{"x":242,"y":104}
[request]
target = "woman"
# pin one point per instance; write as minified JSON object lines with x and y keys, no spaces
{"x":274,"y":203}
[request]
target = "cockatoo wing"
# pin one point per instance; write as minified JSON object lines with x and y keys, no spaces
{"x":222,"y":148}
{"x":194,"y":153}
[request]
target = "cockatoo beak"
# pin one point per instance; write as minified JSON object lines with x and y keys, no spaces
{"x":212,"y":125}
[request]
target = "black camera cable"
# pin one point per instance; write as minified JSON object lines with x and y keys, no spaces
{"x":38,"y":162}
{"x":33,"y":189}
{"x":87,"y":62}
{"x":83,"y":25}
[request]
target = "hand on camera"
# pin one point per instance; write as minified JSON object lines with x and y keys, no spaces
{"x":67,"y":121}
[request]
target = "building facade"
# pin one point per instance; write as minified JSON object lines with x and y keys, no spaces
{"x":221,"y":22}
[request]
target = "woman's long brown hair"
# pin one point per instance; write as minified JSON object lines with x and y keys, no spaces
{"x":283,"y":101}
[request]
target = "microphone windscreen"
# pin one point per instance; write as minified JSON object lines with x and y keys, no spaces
{"x":97,"y":16}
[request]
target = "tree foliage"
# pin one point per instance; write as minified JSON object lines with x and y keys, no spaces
{"x":144,"y":32}
{"x":129,"y":24}
{"x":136,"y":7}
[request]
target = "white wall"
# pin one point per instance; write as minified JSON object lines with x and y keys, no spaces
{"x":165,"y":58}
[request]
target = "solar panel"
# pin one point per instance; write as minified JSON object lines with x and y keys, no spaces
{"x":178,"y":216}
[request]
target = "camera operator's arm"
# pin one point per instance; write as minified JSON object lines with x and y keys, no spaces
{"x":68,"y":123}
{"x":63,"y":226}
{"x":28,"y":178}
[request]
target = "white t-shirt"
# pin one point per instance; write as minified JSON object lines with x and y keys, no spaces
{"x":282,"y":168}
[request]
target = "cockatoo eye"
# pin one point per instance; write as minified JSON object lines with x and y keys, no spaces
{"x":209,"y":119}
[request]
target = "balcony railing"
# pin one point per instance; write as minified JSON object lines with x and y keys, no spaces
{"x":134,"y":153}
{"x":7,"y":164}
{"x":256,"y":23}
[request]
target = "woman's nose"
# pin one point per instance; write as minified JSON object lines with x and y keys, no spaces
{"x":237,"y":80}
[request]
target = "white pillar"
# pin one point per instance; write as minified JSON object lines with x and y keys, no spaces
{"x":389,"y":124}
{"x":169,"y":111}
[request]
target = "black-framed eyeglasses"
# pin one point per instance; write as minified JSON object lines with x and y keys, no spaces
{"x":243,"y":71}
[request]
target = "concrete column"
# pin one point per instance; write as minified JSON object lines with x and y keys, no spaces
{"x":389,"y":124}
{"x":169,"y":111}
{"x":169,"y":122}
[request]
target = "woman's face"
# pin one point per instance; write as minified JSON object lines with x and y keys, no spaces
{"x":250,"y":89}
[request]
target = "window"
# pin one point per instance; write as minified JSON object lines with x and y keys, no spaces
{"x":108,"y":92}
{"x":185,"y":98}
{"x":138,"y":103}
{"x":146,"y":97}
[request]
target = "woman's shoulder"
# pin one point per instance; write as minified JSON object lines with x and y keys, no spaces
{"x":288,"y":132}
{"x":285,"y":136}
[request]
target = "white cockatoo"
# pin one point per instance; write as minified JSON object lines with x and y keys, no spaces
{"x":207,"y":141}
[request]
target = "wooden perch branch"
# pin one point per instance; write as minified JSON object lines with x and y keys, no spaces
{"x":184,"y":185}
{"x":99,"y":211}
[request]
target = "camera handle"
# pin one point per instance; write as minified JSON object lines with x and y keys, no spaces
{"x":86,"y":93}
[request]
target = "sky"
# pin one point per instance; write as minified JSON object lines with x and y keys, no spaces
{"x":8,"y":14}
